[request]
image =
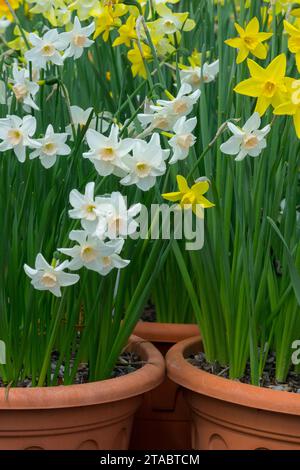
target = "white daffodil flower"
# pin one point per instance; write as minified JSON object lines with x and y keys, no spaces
{"x":16,"y":134}
{"x":46,"y":277}
{"x":182,"y":105}
{"x":52,"y":146}
{"x":157,"y":120}
{"x":165,"y":113}
{"x":107,"y":153}
{"x":170,"y":22}
{"x":46,"y":49}
{"x":80,"y":117}
{"x":194,"y":76}
{"x":24,"y":90}
{"x":183,"y":139}
{"x":115,"y":220}
{"x":4,"y":23}
{"x":84,"y":207}
{"x":92,"y":253}
{"x":78,"y":39}
{"x":248,"y":140}
{"x":146,"y":164}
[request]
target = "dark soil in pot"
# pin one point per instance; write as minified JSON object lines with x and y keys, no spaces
{"x":128,"y":362}
{"x":268,"y":379}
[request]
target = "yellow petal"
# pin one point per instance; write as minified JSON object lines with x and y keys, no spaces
{"x":293,"y":44}
{"x":296,"y":119}
{"x":253,"y":26}
{"x":239,"y":29}
{"x":298,"y":61}
{"x":285,"y":109}
{"x":249,"y":87}
{"x":172,"y":196}
{"x":279,"y":97}
{"x":276,"y":69}
{"x":260,"y":51}
{"x":234,"y":42}
{"x":290,"y":29}
{"x":200,"y":188}
{"x":262,"y":105}
{"x":189,"y":25}
{"x":296,"y":12}
{"x":205,"y":202}
{"x":263,"y":36}
{"x":182,"y":184}
{"x":242,"y":55}
{"x":163,"y":10}
{"x":256,"y":70}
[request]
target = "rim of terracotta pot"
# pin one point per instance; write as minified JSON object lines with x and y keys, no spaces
{"x":204,"y":383}
{"x":94,"y":393}
{"x":165,"y":332}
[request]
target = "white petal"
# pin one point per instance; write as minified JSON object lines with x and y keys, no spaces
{"x":242,"y":154}
{"x":41,"y":264}
{"x":55,"y":291}
{"x":235,"y":129}
{"x":30,"y":271}
{"x":231,"y":146}
{"x":89,"y":190}
{"x":20,"y":152}
{"x":66,"y":279}
{"x":253,"y":123}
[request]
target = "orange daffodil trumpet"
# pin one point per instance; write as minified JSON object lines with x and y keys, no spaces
{"x":191,"y":198}
{"x":250,"y":40}
{"x":269,"y":85}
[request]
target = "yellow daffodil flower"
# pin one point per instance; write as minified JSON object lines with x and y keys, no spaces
{"x":249,"y":41}
{"x":135,"y":57}
{"x":5,"y":11}
{"x":195,"y":58}
{"x":268,"y":85}
{"x":294,"y":40}
{"x":292,"y":107}
{"x":126,"y":32}
{"x":190,"y":198}
{"x":108,"y":18}
{"x":163,"y":44}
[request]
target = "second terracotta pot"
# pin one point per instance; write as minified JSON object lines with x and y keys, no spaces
{"x":163,"y":421}
{"x":230,"y":415}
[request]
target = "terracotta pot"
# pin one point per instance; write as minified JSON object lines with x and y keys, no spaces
{"x":96,"y":415}
{"x":162,"y":422}
{"x":227,"y":414}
